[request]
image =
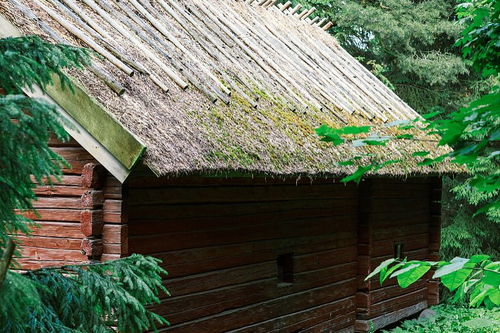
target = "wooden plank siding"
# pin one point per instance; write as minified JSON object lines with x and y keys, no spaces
{"x":394,"y":212}
{"x":220,"y":239}
{"x":76,"y":215}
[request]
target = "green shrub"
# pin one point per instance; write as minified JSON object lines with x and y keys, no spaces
{"x":454,"y":319}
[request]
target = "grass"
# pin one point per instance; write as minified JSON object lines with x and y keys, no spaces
{"x":454,"y":319}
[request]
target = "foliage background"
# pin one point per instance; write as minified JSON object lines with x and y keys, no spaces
{"x":410,"y":46}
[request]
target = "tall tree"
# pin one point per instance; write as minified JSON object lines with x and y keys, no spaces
{"x":76,"y":298}
{"x":409,"y":44}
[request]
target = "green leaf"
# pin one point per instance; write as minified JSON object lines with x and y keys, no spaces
{"x":389,"y":271}
{"x":355,"y":129}
{"x":452,"y":133}
{"x":405,"y":136}
{"x":329,"y":134}
{"x":377,"y":269}
{"x":420,"y":153}
{"x":494,"y":296}
{"x":409,"y":277}
{"x":478,"y":258}
{"x":357,"y":175}
{"x":455,"y":265}
{"x":491,"y":278}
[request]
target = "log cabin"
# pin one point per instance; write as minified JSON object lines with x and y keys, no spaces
{"x":193,"y":141}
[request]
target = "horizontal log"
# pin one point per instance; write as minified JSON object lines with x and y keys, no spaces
{"x":341,"y":324}
{"x":58,"y":202}
{"x":238,"y":317}
{"x":108,"y":257}
{"x":60,"y":190}
{"x":386,"y":247}
{"x":375,"y":205}
{"x":333,"y":207}
{"x":57,"y":229}
{"x":223,"y":194}
{"x":113,"y":205}
{"x":31,"y":264}
{"x":52,"y":254}
{"x":63,"y":215}
{"x":111,"y":248}
{"x":51,"y":242}
{"x":239,"y":233}
{"x":393,"y":304}
{"x":389,"y":318}
{"x":65,"y":180}
{"x":366,"y":299}
{"x":114,"y":233}
{"x":301,"y":320}
{"x":73,"y":153}
{"x":192,"y":261}
{"x":113,"y":217}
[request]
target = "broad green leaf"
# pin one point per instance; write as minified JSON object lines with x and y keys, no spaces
{"x":407,"y":278}
{"x":377,"y":269}
{"x":389,"y":271}
{"x":358,"y":174}
{"x":494,"y":296}
{"x":404,"y":269}
{"x":452,"y":267}
{"x":405,"y":136}
{"x":455,"y":279}
{"x":477,"y":298}
{"x":479,"y":257}
{"x":491,"y":278}
{"x":452,"y":133}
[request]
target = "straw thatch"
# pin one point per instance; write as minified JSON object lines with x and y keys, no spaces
{"x":223,"y":85}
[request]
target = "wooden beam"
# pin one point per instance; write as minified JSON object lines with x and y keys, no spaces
{"x":117,"y":149}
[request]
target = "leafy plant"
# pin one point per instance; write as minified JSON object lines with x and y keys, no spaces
{"x":473,"y":132}
{"x":477,"y":277}
{"x":453,"y":319}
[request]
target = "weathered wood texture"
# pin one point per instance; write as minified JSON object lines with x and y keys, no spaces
{"x":394,"y":212}
{"x":78,"y":216}
{"x":220,"y":239}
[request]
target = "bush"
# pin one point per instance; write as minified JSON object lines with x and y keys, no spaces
{"x":454,"y":319}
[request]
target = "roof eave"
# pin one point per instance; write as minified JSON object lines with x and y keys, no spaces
{"x":111,"y":144}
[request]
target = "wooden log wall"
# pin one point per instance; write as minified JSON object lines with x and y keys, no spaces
{"x":393,"y":212}
{"x":220,"y":240}
{"x":77,"y":216}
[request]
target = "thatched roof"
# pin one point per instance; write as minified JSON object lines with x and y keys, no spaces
{"x":222,"y":85}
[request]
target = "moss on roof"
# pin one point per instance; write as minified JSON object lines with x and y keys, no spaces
{"x":297,"y":75}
